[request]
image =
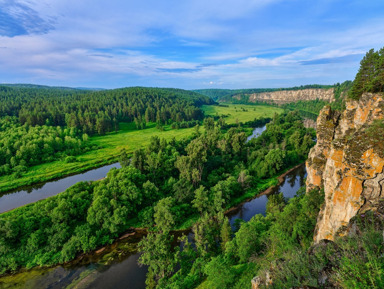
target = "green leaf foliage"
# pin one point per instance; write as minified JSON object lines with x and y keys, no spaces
{"x":370,"y":77}
{"x":166,"y":185}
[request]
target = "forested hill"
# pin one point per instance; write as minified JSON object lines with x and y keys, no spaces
{"x":97,"y":112}
{"x":225,"y":95}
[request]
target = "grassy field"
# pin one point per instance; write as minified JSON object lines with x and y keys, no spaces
{"x":241,"y":112}
{"x":130,"y":139}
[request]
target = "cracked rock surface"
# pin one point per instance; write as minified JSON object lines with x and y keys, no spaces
{"x":348,"y":162}
{"x":286,"y":96}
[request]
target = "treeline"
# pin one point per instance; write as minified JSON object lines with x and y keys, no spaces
{"x":22,"y":146}
{"x":370,"y":77}
{"x":209,"y":171}
{"x":98,"y":112}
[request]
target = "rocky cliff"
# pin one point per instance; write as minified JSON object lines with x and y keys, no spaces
{"x":286,"y":96}
{"x":347,"y":162}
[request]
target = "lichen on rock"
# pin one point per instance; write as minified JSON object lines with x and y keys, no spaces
{"x":348,"y":162}
{"x":286,"y":96}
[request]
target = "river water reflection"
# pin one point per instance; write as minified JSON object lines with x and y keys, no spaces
{"x":116,"y":267}
{"x":13,"y":199}
{"x":30,"y":194}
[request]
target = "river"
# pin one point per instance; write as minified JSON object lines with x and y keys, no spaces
{"x":256,"y":132}
{"x":30,"y":194}
{"x":116,"y":266}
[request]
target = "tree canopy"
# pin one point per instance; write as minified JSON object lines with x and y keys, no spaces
{"x":370,"y":77}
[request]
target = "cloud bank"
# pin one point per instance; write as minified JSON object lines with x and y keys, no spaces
{"x":186,"y":44}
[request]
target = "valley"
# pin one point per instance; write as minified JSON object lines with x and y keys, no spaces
{"x":191,"y":144}
{"x":128,"y":138}
{"x":204,"y":195}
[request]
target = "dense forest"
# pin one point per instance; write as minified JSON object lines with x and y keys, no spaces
{"x":98,"y":112}
{"x":211,"y":170}
{"x":41,"y":124}
{"x":370,"y":77}
{"x":277,"y":247}
{"x":22,"y":146}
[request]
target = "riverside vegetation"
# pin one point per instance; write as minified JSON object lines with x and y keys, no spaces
{"x":279,"y":249}
{"x":213,"y":169}
{"x":39,"y":125}
{"x":42,"y":142}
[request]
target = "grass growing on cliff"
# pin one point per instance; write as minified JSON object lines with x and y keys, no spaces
{"x":375,"y":133}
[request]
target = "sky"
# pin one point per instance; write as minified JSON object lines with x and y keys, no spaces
{"x":186,"y":44}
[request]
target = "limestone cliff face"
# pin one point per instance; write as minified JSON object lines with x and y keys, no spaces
{"x":286,"y":96}
{"x":347,"y":162}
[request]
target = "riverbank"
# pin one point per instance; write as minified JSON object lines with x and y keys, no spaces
{"x":104,"y":253}
{"x":108,"y":147}
{"x":33,"y":193}
{"x":108,"y":152}
{"x":280,"y":180}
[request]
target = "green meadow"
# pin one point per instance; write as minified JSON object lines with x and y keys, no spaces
{"x":240,"y":112}
{"x":110,"y":145}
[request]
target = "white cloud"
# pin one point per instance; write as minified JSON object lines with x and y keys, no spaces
{"x":93,"y":38}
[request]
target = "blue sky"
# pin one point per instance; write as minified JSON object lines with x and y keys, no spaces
{"x":186,"y":44}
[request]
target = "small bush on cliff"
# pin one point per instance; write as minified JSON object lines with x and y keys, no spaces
{"x":362,"y":254}
{"x":352,"y":261}
{"x":370,"y":77}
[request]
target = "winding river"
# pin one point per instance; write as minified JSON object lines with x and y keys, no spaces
{"x":30,"y":194}
{"x":116,"y":266}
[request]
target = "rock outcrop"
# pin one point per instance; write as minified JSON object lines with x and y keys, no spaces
{"x":259,"y":282}
{"x":286,"y":96}
{"x":348,"y":162}
{"x":309,"y":123}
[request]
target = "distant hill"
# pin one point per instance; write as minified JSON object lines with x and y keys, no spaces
{"x":98,"y":112}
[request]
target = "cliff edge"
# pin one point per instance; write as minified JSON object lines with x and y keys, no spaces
{"x":348,"y":162}
{"x":286,"y":96}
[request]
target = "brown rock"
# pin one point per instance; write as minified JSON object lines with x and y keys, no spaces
{"x":347,"y":162}
{"x":286,"y":96}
